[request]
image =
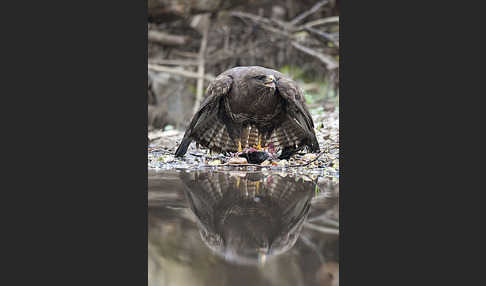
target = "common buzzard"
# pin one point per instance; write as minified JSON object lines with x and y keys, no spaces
{"x":252,"y":106}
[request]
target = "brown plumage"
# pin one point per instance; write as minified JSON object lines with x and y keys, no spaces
{"x":248,"y":104}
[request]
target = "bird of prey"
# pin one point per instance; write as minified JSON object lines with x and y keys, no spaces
{"x":252,"y":107}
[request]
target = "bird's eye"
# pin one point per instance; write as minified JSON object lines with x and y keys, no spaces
{"x":260,"y":77}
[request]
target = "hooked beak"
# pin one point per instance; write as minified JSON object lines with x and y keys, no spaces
{"x":270,"y":81}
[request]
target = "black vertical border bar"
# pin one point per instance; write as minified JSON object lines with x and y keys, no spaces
{"x":79,"y":204}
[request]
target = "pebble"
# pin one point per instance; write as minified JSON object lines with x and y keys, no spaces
{"x":237,"y":160}
{"x":214,"y":162}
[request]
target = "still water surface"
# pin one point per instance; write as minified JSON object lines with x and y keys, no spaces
{"x":242,"y":228}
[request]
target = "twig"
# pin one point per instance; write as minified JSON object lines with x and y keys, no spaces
{"x":265,"y":23}
{"x":322,"y":35}
{"x":168,"y":152}
{"x":285,"y":30}
{"x":186,"y":54}
{"x":314,"y":9}
{"x":255,"y":18}
{"x":195,"y":154}
{"x":328,"y":61}
{"x":200,"y":67}
{"x":222,"y":55}
{"x":179,"y":72}
{"x":167,"y":39}
{"x":319,"y":22}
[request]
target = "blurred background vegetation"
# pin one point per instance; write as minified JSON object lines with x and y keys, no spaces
{"x":191,"y":42}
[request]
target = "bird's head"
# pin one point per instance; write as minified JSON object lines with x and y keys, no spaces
{"x":261,"y":82}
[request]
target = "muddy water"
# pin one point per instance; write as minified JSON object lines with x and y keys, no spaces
{"x":212,"y":227}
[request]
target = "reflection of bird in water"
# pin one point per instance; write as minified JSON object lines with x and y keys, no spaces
{"x":248,"y":217}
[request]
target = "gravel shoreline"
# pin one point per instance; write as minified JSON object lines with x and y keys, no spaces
{"x":162,"y":145}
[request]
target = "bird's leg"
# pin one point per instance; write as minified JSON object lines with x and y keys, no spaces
{"x":259,"y":146}
{"x":239,"y":145}
{"x":244,"y":136}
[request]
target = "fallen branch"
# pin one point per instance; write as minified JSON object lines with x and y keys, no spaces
{"x":265,"y":23}
{"x":167,"y":39}
{"x":255,"y":18}
{"x":327,"y":60}
{"x":318,"y":22}
{"x":179,"y":72}
{"x":185,"y":54}
{"x":314,"y":9}
{"x":168,"y":152}
{"x":322,"y":35}
{"x":222,"y":55}
{"x":286,"y":29}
